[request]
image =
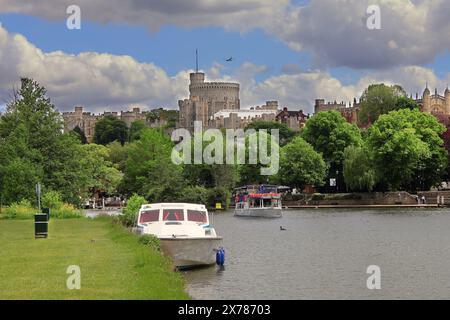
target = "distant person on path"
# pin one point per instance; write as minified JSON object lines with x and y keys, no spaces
{"x":424,"y":201}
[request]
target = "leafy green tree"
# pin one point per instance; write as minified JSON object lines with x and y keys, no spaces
{"x":329,"y":133}
{"x":136,"y":129}
{"x":301,"y":165}
{"x":250,"y":173}
{"x":82,"y":137}
{"x":380,"y":99}
{"x":109,"y":129}
{"x":359,"y":173}
{"x":210,"y":175}
{"x":286,"y":133}
{"x":32,"y":109}
{"x":102,"y":175}
{"x":170,"y":116}
{"x":34,"y":149}
{"x":118,"y":154}
{"x":130,"y":212}
{"x":405,"y":102}
{"x":407,"y":149}
{"x":149,"y":169}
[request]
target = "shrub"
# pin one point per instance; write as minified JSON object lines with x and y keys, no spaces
{"x":150,"y":241}
{"x":128,"y":218}
{"x":194,"y":194}
{"x":219,"y":195}
{"x":318,"y":196}
{"x":20,"y":210}
{"x":24,"y":210}
{"x":51,"y":199}
{"x":66,"y":211}
{"x":58,"y":209}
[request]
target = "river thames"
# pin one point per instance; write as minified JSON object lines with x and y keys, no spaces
{"x":324,"y":254}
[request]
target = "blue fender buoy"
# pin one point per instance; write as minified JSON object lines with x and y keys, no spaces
{"x":220,"y":257}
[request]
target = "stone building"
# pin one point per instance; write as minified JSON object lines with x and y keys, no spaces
{"x":435,"y":104}
{"x":239,"y":119}
{"x":206,"y":99}
{"x":295,"y":120}
{"x":86,"y":120}
{"x":349,"y":111}
{"x":217,"y":106}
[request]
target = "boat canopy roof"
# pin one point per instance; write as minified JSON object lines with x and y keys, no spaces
{"x":261,"y":189}
{"x":190,"y":206}
{"x":173,"y":213}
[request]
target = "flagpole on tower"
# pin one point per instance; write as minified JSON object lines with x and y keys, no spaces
{"x":196,"y":60}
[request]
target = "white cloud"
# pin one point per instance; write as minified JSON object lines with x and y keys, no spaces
{"x":92,"y":79}
{"x":335,"y":31}
{"x":233,"y":14}
{"x":103,"y":81}
{"x":300,"y":90}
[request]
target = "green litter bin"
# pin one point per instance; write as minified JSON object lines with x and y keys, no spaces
{"x":41,"y":225}
{"x":47,"y":212}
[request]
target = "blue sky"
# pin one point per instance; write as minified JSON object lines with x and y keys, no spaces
{"x":291,"y":51}
{"x":172,"y":48}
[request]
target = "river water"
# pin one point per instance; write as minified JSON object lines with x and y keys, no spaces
{"x":324,"y":254}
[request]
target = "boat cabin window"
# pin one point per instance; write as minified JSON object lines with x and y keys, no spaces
{"x":149,"y":216}
{"x":267,"y":203}
{"x":197,"y":216}
{"x":173,"y":215}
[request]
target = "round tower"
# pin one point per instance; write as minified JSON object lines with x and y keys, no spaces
{"x":427,"y":100}
{"x":197,"y":78}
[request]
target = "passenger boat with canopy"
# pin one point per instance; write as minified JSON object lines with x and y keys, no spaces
{"x":258,"y":201}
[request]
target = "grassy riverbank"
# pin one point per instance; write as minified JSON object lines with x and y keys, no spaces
{"x":114,"y":265}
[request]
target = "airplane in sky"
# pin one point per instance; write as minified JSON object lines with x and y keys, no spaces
{"x":229,"y":59}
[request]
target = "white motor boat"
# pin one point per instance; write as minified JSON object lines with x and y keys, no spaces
{"x":184,"y":231}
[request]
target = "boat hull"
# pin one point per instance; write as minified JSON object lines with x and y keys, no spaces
{"x":260,"y":213}
{"x":192,"y":252}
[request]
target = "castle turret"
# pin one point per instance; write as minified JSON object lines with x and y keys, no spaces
{"x":197,"y":78}
{"x":427,"y":100}
{"x":447,"y":101}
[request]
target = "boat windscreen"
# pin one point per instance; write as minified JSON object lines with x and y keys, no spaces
{"x":149,"y":216}
{"x":197,"y":216}
{"x":173,"y":215}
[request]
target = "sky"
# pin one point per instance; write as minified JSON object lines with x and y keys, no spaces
{"x":140,"y":52}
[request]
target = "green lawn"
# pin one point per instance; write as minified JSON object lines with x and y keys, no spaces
{"x":113,"y":264}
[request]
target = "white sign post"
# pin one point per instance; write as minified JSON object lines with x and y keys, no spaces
{"x":38,"y":193}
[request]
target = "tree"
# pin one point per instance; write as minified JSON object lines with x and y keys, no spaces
{"x":286,"y":133}
{"x":407,"y":149}
{"x":109,"y":129}
{"x":329,"y":133}
{"x":250,"y":173}
{"x":101,"y":173}
{"x":149,"y":170}
{"x":34,"y":149}
{"x":405,"y":102}
{"x":169,"y":116}
{"x":380,"y":99}
{"x":210,"y":175}
{"x":118,"y":154}
{"x":301,"y":165}
{"x":359,"y":174}
{"x":77,"y":130}
{"x":136,"y":129}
